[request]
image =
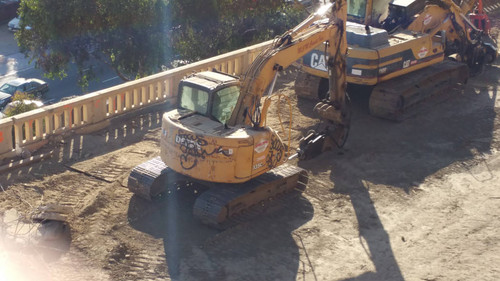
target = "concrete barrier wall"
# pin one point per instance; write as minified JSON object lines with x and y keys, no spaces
{"x":26,"y":132}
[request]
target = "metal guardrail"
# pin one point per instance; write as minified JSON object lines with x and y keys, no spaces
{"x":23,"y":133}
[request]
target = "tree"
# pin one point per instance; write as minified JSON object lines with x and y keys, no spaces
{"x":207,"y":28}
{"x":127,"y":35}
{"x":137,"y":37}
{"x":21,"y":103}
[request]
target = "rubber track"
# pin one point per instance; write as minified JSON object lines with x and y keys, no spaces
{"x":225,"y":205}
{"x":220,"y":205}
{"x":152,"y":180}
{"x":401,"y":97}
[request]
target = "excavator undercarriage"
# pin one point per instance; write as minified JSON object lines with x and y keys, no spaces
{"x":401,"y":97}
{"x":219,"y":205}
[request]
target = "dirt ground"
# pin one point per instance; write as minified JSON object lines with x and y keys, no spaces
{"x":415,"y":200}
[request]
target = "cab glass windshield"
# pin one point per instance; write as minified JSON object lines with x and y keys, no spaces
{"x":194,"y":99}
{"x":356,"y":8}
{"x":224,"y":103}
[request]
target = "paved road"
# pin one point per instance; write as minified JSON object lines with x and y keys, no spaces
{"x":13,"y":64}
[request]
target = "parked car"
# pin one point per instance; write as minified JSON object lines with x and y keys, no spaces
{"x":32,"y":86}
{"x":15,"y":24}
{"x":4,"y":99}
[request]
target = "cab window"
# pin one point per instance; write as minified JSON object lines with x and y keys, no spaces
{"x":224,"y":102}
{"x":380,"y":11}
{"x":356,"y":9}
{"x":194,"y":99}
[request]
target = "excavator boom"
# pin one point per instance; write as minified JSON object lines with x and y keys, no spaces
{"x":283,"y":52}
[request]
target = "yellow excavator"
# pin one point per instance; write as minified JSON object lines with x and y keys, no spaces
{"x":217,"y":137}
{"x":402,"y":51}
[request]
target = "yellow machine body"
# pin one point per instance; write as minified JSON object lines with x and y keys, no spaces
{"x":203,"y":149}
{"x":404,"y":43}
{"x":376,"y":56}
{"x":217,"y":133}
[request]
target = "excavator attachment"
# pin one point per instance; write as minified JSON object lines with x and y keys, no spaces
{"x":327,"y":138}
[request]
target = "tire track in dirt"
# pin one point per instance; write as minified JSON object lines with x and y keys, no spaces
{"x":72,"y":190}
{"x":101,"y":234}
{"x":490,"y":6}
{"x":127,"y":262}
{"x":266,"y":243}
{"x":136,"y":255}
{"x":109,"y":237}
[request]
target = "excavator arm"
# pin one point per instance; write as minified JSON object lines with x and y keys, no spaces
{"x":316,"y":29}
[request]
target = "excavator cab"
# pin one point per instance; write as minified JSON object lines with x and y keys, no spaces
{"x":212,"y":94}
{"x":356,"y":10}
{"x":386,"y":14}
{"x":367,"y":12}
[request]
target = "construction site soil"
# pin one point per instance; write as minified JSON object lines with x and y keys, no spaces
{"x":413,"y":200}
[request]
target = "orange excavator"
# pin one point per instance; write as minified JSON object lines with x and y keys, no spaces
{"x":217,"y":138}
{"x":402,"y":52}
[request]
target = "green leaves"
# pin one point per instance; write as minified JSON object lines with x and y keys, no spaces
{"x":129,"y":36}
{"x":19,"y":104}
{"x":207,"y":28}
{"x":137,"y":38}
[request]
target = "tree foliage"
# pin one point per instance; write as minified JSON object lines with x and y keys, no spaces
{"x":21,"y":103}
{"x":137,"y":37}
{"x":128,"y":35}
{"x":203,"y":29}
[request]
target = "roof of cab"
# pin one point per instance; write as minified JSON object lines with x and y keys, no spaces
{"x":210,"y":79}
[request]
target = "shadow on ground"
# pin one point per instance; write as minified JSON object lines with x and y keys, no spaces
{"x":72,"y":149}
{"x":196,"y":252}
{"x":379,"y":154}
